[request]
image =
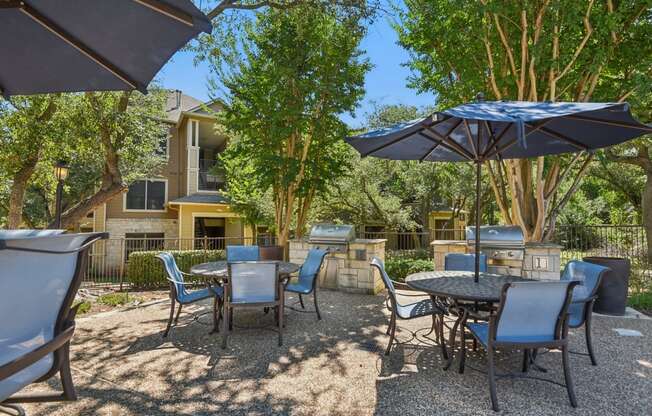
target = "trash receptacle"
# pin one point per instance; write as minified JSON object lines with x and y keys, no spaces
{"x":612,"y":293}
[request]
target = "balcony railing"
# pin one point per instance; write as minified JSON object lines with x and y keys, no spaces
{"x":209,"y":179}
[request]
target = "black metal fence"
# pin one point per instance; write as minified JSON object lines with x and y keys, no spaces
{"x":109,"y":258}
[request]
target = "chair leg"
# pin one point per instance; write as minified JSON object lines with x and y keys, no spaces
{"x":301,"y":301}
{"x":176,"y":319}
{"x":279,"y":310}
{"x":231,"y":319}
{"x":314,"y":298}
{"x":215,"y":317}
{"x":432,"y":327}
{"x":526,"y":360}
{"x":589,"y":343}
{"x":225,"y":325}
{"x":392,"y":332}
{"x":567,"y":376}
{"x":491,"y":373}
{"x":66,"y":376}
{"x":389,"y":326}
{"x":462,"y":349}
{"x":167,"y":329}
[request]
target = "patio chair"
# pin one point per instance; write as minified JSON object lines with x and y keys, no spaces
{"x":242,"y":253}
{"x":307,"y":281}
{"x":531,"y":315}
{"x":589,"y":276}
{"x":39,"y":278}
{"x":252,"y":284}
{"x":464,"y":262}
{"x":426,"y":307}
{"x":181,"y":295}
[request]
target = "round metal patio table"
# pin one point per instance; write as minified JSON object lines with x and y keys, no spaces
{"x":220,"y":269}
{"x":460,"y":286}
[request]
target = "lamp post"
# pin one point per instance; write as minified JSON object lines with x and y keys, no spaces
{"x":61,"y":173}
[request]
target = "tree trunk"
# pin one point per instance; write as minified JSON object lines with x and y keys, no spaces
{"x":17,"y":196}
{"x":647,"y":214}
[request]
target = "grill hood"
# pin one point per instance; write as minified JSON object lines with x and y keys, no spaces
{"x":332,"y":233}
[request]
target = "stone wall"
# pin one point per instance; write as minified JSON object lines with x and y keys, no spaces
{"x":119,"y":227}
{"x":349,"y":271}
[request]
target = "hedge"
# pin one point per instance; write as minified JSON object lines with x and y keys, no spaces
{"x":399,"y":267}
{"x":144,"y":270}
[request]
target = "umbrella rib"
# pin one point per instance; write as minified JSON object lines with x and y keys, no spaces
{"x":394,"y":141}
{"x":446,"y":145}
{"x":495,"y":140}
{"x":451,"y":143}
{"x":560,"y":136}
{"x":608,"y":122}
{"x":497,"y":150}
{"x":168,"y":10}
{"x":432,"y":149}
{"x":80,"y":46}
{"x":469,"y":136}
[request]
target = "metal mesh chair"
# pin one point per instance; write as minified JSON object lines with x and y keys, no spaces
{"x":426,"y":307}
{"x":531,"y":315}
{"x":242,"y":253}
{"x":181,"y":295}
{"x":253,"y":284}
{"x":39,"y":278}
{"x":464,"y":262}
{"x":307,"y":281}
{"x":588,"y":276}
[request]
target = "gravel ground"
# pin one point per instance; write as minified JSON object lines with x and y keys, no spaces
{"x":122,"y":366}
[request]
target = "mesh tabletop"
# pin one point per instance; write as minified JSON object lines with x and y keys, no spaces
{"x":220,"y":268}
{"x":460,"y":285}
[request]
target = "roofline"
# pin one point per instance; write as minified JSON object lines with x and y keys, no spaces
{"x":197,"y":203}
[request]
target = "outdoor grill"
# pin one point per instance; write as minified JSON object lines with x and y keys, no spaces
{"x":332,"y":237}
{"x":504,"y":247}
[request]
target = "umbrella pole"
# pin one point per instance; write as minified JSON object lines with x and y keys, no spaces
{"x":478,"y":175}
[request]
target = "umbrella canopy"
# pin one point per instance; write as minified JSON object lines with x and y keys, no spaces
{"x":487,"y":130}
{"x":90,"y":45}
{"x":503,"y":129}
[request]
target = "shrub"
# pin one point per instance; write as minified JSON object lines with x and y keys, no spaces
{"x":117,"y":299}
{"x":83,"y":307}
{"x":415,"y":254}
{"x":145,"y":270}
{"x":399,"y":267}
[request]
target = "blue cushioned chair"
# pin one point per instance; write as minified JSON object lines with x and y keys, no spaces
{"x":413,"y":310}
{"x":464,"y":262}
{"x":589,"y":276}
{"x":242,"y":253}
{"x":531,"y":315}
{"x":40,"y":274}
{"x":253,"y":284}
{"x":182,"y":296}
{"x":307,"y":281}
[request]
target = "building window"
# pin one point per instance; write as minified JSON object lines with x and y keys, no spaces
{"x":146,"y":195}
{"x":143,"y":242}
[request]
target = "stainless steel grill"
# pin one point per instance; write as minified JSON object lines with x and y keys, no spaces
{"x":333,"y":237}
{"x":499,"y":242}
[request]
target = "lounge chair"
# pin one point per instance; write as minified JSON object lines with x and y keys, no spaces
{"x":531,"y":315}
{"x":588,"y":276}
{"x":181,"y":295}
{"x":413,"y":310}
{"x":242,"y":253}
{"x":39,"y":278}
{"x":464,"y":262}
{"x":307,"y":281}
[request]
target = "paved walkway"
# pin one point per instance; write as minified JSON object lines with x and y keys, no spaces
{"x":122,"y":366}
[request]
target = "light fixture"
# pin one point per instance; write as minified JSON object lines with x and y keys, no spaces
{"x":61,"y":169}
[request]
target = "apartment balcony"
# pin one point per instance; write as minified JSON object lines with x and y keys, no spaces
{"x":211,"y":178}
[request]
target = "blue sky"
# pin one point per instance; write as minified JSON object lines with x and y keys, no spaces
{"x":385,"y":83}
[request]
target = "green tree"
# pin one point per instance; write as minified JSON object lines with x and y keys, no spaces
{"x":556,"y":50}
{"x":283,"y":103}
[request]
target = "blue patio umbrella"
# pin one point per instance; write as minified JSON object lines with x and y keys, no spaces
{"x":488,"y":130}
{"x":90,"y":45}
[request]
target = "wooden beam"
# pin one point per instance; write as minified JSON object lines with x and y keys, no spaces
{"x":446,"y":145}
{"x":609,"y":122}
{"x":10,"y":4}
{"x":469,"y":136}
{"x":460,"y":150}
{"x":168,"y":10}
{"x":496,"y":139}
{"x":497,"y":150}
{"x":57,"y":30}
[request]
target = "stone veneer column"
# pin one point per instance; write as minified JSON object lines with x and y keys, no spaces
{"x":542,"y":261}
{"x":350,"y":271}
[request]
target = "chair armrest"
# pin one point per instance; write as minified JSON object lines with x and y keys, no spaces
{"x":20,"y":363}
{"x":586,"y":300}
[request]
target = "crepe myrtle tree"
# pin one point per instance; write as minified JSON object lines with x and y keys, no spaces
{"x":283,"y":103}
{"x":546,"y":50}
